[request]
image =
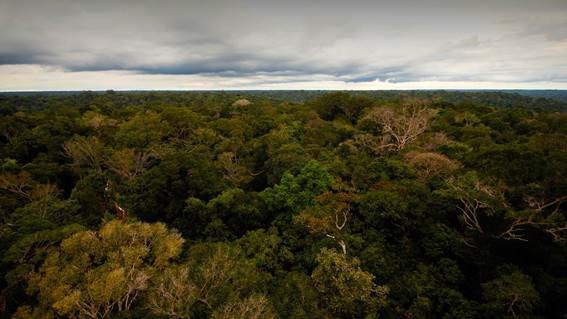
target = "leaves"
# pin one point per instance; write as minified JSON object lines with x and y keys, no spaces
{"x":343,"y":286}
{"x":94,"y":274}
{"x":437,"y":205}
{"x":296,"y":192}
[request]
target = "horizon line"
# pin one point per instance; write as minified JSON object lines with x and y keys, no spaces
{"x":279,"y":89}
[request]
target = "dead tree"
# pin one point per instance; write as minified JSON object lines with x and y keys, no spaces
{"x":399,"y":127}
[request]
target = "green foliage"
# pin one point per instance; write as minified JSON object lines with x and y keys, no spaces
{"x":27,"y":252}
{"x":296,"y":297}
{"x":89,"y":194}
{"x":94,"y":274}
{"x":439,"y":205}
{"x":515,"y":164}
{"x":142,"y":130}
{"x":344,"y":287}
{"x":266,"y":250}
{"x":294,"y":193}
{"x":214,"y":277}
{"x":511,"y":295}
{"x":333,"y":105}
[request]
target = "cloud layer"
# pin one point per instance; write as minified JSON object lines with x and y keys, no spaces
{"x":256,"y":44}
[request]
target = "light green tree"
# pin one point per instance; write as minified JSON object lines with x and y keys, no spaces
{"x":253,"y":307}
{"x":214,"y":276}
{"x":94,"y":274}
{"x":344,"y":287}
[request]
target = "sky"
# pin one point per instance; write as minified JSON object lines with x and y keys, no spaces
{"x":352,"y":45}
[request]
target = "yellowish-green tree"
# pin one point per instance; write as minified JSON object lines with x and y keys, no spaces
{"x":212,"y":279}
{"x":95,"y":274}
{"x":344,"y":287}
{"x":85,"y":152}
{"x":24,"y":186}
{"x":128,"y":162}
{"x":253,"y":307}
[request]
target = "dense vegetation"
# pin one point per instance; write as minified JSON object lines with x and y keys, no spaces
{"x":197,"y":205}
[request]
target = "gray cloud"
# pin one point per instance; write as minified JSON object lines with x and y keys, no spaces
{"x":403,"y":41}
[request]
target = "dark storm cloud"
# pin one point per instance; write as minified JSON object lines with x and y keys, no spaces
{"x":17,"y":58}
{"x":353,"y":42}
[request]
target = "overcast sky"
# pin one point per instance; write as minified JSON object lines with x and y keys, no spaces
{"x":402,"y":44}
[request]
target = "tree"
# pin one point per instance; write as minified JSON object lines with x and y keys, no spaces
{"x":294,"y":193}
{"x":512,"y":294}
{"x":479,"y":200}
{"x":128,"y":163}
{"x":344,"y":287}
{"x":232,"y":171}
{"x":173,"y":294}
{"x":24,"y":186}
{"x":466,"y":118}
{"x":182,"y":121}
{"x":97,"y":120}
{"x":429,"y":164}
{"x":241,"y":103}
{"x":296,"y":297}
{"x":237,"y":210}
{"x":91,"y":194}
{"x":266,"y":249}
{"x":399,"y":127}
{"x":143,"y":130}
{"x":331,"y":213}
{"x":542,"y":214}
{"x":330,"y":106}
{"x":20,"y":184}
{"x":95,"y":274}
{"x":253,"y":307}
{"x":210,"y":279}
{"x":29,"y":248}
{"x":475,"y":198}
{"x":85,"y":151}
